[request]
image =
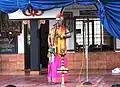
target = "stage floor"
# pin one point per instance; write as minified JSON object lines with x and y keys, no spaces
{"x":98,"y":78}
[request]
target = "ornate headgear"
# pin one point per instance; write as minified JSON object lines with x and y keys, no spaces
{"x":42,"y":21}
{"x":59,"y":16}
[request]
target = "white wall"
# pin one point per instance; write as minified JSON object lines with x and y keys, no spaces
{"x":70,"y":42}
{"x":51,"y":23}
{"x":21,"y":41}
{"x":117,"y":44}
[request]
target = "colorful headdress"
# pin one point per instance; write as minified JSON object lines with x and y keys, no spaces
{"x":59,"y":16}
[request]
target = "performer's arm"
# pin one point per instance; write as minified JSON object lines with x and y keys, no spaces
{"x":67,"y":34}
{"x":49,"y":41}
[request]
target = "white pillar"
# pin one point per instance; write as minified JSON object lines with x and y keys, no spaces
{"x":21,"y":41}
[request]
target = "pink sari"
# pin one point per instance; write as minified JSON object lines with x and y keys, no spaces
{"x":53,"y":75}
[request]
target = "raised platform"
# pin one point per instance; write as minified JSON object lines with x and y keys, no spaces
{"x":100,"y":78}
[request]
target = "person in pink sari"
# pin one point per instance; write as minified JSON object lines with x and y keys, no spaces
{"x":57,"y":41}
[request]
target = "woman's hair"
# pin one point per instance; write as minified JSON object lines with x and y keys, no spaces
{"x":10,"y":86}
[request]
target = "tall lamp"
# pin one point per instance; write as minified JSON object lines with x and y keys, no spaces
{"x":86,"y":52}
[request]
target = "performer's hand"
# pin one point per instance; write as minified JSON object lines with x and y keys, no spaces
{"x":48,"y":55}
{"x":61,"y":36}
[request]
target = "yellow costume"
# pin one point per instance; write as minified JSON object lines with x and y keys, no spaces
{"x":61,"y":41}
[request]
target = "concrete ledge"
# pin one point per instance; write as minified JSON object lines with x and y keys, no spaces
{"x":34,"y":72}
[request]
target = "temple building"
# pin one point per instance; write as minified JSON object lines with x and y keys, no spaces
{"x":24,"y":40}
{"x":77,"y":18}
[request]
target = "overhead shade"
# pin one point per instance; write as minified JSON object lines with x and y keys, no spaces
{"x":8,"y":6}
{"x":23,"y":4}
{"x":86,"y":2}
{"x":109,"y":13}
{"x":49,"y":4}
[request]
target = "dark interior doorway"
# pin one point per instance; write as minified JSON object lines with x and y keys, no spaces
{"x":43,"y":32}
{"x":26,"y":47}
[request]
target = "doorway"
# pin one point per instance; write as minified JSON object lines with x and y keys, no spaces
{"x":43,"y":37}
{"x":43,"y":32}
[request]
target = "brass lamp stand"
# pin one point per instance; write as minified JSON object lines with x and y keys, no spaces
{"x":62,"y":69}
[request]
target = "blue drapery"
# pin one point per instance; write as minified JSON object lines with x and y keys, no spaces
{"x":86,"y":2}
{"x":8,"y":6}
{"x":23,"y":4}
{"x":109,"y":13}
{"x":109,"y":10}
{"x":49,"y":4}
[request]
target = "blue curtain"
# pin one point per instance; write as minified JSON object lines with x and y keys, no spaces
{"x":49,"y":4}
{"x":86,"y":2}
{"x":8,"y":6}
{"x":109,"y":13}
{"x":23,"y":4}
{"x":43,"y":4}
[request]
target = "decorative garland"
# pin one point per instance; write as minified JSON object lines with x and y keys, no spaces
{"x":32,"y":12}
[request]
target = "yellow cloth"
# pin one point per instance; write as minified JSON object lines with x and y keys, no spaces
{"x":61,"y":43}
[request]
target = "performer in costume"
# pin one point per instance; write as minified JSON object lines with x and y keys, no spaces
{"x":57,"y":42}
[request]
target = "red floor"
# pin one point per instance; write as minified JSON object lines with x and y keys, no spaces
{"x":99,"y":78}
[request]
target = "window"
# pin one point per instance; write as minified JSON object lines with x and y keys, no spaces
{"x":97,"y":37}
{"x":7,"y":26}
